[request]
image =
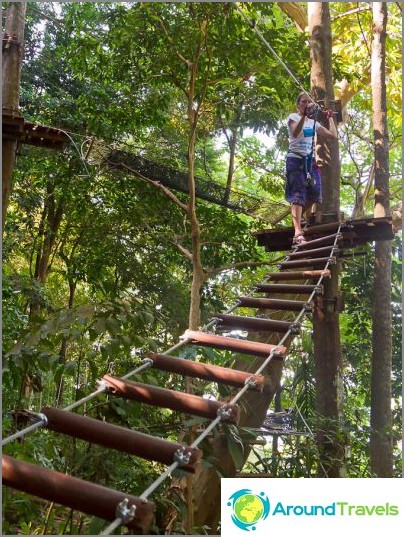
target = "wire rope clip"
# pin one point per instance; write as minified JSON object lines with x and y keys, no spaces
{"x":295,"y":328}
{"x":43,"y":418}
{"x":277,"y":354}
{"x":318,"y":289}
{"x":224,"y":412}
{"x":250,"y":382}
{"x":147,"y":361}
{"x":182,"y":456}
{"x":102,"y":384}
{"x":125,"y":513}
{"x":332,"y":261}
{"x":308,"y":307}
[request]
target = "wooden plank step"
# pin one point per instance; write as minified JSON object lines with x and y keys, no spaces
{"x":175,"y":400}
{"x":256,"y":324}
{"x":224,"y":375}
{"x":253,"y":348}
{"x":286,"y":288}
{"x":314,"y":262}
{"x":320,"y":229}
{"x":115,"y":437}
{"x":316,"y":252}
{"x":322,"y":241}
{"x":272,"y":303}
{"x":75,"y":493}
{"x":299,"y":275}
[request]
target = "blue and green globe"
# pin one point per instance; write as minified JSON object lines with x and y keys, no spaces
{"x":248,"y":508}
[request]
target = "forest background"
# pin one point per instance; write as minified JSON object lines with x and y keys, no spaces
{"x":97,"y":263}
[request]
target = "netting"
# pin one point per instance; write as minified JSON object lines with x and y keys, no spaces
{"x":235,"y":199}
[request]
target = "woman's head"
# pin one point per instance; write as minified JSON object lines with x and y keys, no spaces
{"x":303,"y":96}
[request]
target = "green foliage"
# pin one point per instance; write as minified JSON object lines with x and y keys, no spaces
{"x":94,"y":275}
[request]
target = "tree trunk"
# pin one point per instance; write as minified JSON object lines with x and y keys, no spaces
{"x":381,"y":449}
{"x":326,"y":333}
{"x":12,"y":61}
{"x":198,"y":275}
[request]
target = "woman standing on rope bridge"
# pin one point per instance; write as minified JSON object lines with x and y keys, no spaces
{"x":303,"y":180}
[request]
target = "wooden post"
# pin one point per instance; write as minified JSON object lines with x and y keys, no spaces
{"x":326,"y":334}
{"x":13,"y":38}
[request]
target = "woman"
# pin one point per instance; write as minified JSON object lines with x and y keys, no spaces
{"x":303,"y":180}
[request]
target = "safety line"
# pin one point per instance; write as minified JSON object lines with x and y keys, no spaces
{"x":262,"y":38}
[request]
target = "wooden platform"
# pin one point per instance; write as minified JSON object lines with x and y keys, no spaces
{"x":14,"y":127}
{"x":354,"y":233}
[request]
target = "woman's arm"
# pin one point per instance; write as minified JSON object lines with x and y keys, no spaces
{"x":331,"y":132}
{"x":296,"y":128}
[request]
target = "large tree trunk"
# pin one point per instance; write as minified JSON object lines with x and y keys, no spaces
{"x":12,"y":60}
{"x":326,"y":334}
{"x":198,"y":273}
{"x":381,"y":454}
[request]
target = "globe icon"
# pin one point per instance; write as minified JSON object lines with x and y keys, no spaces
{"x":248,"y":508}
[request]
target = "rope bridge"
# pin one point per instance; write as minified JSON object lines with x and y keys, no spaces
{"x":309,"y":265}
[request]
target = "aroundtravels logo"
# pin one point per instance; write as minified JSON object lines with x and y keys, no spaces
{"x":248,"y":508}
{"x":313,"y":506}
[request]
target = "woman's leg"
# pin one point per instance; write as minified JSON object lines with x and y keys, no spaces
{"x":310,"y":207}
{"x":297,"y":211}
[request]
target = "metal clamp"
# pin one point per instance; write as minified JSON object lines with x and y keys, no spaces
{"x":295,"y":328}
{"x":224,"y":412}
{"x":251,"y":382}
{"x":102,"y":384}
{"x":125,"y":513}
{"x":182,"y":456}
{"x":147,"y":361}
{"x":308,"y":307}
{"x":318,"y":289}
{"x":43,"y":418}
{"x":332,"y":261}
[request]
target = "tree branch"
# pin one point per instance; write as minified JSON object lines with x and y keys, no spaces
{"x":241,"y":264}
{"x":156,"y":184}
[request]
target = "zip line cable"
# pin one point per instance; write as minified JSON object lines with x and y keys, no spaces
{"x":253,"y":26}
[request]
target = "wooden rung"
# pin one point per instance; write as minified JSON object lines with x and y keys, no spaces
{"x":271,"y":304}
{"x":215,"y":373}
{"x":75,"y":493}
{"x":317,"y":252}
{"x":115,"y":437}
{"x":299,"y":275}
{"x":253,"y":323}
{"x":315,"y":262}
{"x":285,"y":288}
{"x":179,"y":401}
{"x":322,"y":241}
{"x":253,"y":348}
{"x":321,"y":228}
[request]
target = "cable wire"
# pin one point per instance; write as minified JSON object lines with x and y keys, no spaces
{"x":262,"y":38}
